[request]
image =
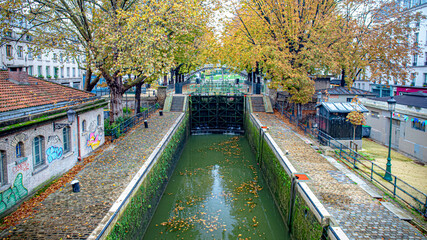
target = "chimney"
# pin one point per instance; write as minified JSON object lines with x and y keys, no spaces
{"x":18,"y":76}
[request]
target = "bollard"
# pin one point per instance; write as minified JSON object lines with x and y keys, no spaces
{"x":161,"y":113}
{"x":76,"y":185}
{"x":145,"y":123}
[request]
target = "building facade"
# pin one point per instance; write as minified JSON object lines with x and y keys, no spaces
{"x":40,"y":138}
{"x":408,"y":123}
{"x":16,"y":51}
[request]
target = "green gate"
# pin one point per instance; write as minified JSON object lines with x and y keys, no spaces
{"x":217,"y":114}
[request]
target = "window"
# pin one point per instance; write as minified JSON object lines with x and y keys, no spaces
{"x":38,"y":151}
{"x":19,"y":52}
{"x":66,"y":136}
{"x":98,"y":120}
{"x":47,"y":71}
{"x":55,"y":58}
{"x":62,"y":72}
{"x":74,"y":72}
{"x":8,"y":34}
{"x":39,"y":70}
{"x":30,"y":70}
{"x":2,"y":162}
{"x":30,"y":53}
{"x":19,"y":150}
{"x":39,"y":57}
{"x":414,"y":63}
{"x":68,"y":71}
{"x":61,"y":57}
{"x":9,"y":51}
{"x":417,"y":37}
{"x":84,"y":126}
{"x":413,"y":77}
{"x":55,"y":70}
{"x":349,"y":99}
{"x":419,"y":125}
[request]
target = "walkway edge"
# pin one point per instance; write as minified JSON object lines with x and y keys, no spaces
{"x":117,"y":209}
{"x":321,"y":213}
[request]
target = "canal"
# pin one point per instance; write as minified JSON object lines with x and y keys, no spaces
{"x":217,"y":192}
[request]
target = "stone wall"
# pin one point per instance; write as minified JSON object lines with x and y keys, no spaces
{"x":135,"y":215}
{"x":295,"y":201}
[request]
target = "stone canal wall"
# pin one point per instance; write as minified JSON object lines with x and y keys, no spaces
{"x":305,"y":216}
{"x":130,"y":216}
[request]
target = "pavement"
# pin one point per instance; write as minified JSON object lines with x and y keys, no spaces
{"x":360,"y":215}
{"x":67,"y":215}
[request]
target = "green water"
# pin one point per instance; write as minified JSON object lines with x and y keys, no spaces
{"x":217,"y":192}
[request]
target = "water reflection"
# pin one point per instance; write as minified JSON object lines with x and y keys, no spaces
{"x":216,"y":192}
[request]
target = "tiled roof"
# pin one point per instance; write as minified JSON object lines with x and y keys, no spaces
{"x":14,"y":96}
{"x":346,"y":91}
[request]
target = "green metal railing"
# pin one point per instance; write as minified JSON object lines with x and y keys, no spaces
{"x":129,"y":123}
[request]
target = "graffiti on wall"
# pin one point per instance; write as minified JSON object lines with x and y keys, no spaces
{"x":20,"y":137}
{"x":54,"y":153}
{"x":23,"y":167}
{"x":94,"y":138}
{"x":13,"y":194}
{"x":53,"y":139}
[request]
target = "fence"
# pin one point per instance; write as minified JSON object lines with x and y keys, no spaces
{"x":306,"y":126}
{"x":397,"y":188}
{"x":129,"y":123}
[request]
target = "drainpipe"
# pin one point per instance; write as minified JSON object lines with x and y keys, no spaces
{"x":78,"y":138}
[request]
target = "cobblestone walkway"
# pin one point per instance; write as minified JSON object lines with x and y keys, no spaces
{"x":68,"y":215}
{"x":359,"y":215}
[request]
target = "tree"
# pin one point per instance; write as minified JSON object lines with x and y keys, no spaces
{"x":288,"y":40}
{"x":143,"y":42}
{"x":356,"y":117}
{"x":374,"y":42}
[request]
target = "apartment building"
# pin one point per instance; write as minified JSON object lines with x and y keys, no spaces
{"x":54,"y":66}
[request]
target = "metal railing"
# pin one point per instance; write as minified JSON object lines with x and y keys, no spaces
{"x":397,"y":188}
{"x":129,"y":123}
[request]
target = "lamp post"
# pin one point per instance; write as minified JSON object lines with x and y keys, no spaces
{"x":70,"y":115}
{"x":391,"y":106}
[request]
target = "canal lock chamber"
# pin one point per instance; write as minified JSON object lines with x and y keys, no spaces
{"x":292,"y":202}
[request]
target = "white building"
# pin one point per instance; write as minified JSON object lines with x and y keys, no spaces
{"x":52,"y":66}
{"x":45,"y":129}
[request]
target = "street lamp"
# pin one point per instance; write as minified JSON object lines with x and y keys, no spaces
{"x":391,"y":106}
{"x":70,"y":115}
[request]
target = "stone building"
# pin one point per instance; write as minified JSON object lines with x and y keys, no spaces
{"x":45,"y":128}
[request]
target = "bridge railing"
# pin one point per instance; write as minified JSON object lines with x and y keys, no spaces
{"x":123,"y":127}
{"x":397,"y":188}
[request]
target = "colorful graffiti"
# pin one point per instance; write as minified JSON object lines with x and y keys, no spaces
{"x":54,"y":153}
{"x":13,"y":194}
{"x":23,"y":166}
{"x":94,"y":140}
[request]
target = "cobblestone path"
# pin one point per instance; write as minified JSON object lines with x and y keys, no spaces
{"x":359,"y":215}
{"x":68,"y":215}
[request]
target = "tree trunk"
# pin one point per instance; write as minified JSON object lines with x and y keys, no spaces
{"x":88,"y":78}
{"x":138,"y":97}
{"x":116,"y":102}
{"x":342,"y":83}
